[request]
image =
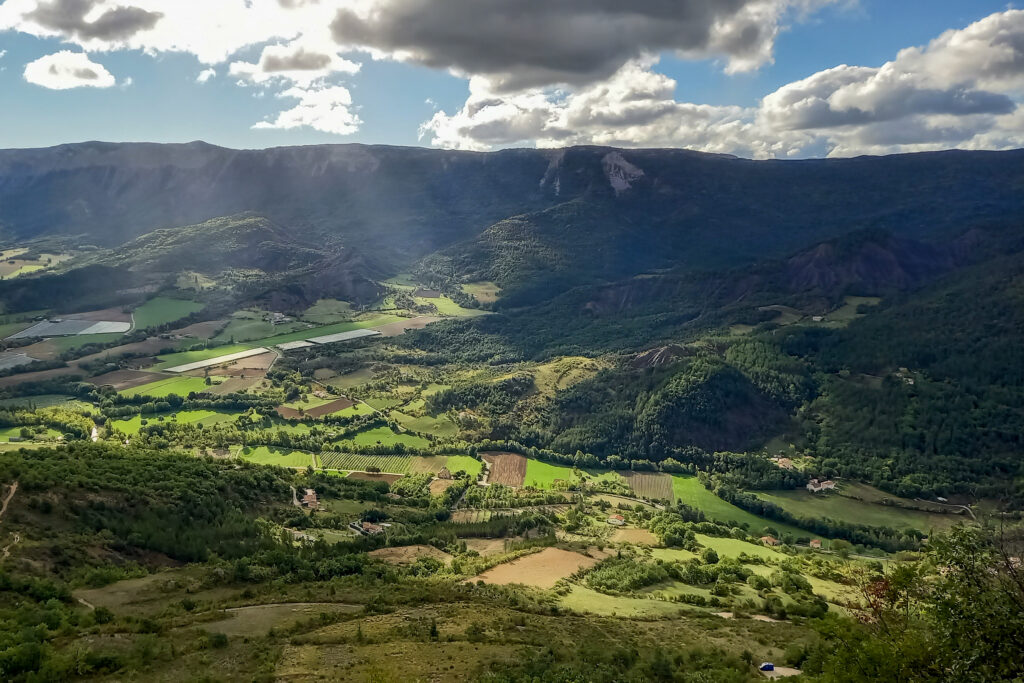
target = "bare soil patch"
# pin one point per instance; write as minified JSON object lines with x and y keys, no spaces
{"x":507,"y":468}
{"x":656,"y":486}
{"x":125,"y":379}
{"x":439,"y":486}
{"x":634,"y":536}
{"x":541,"y":570}
{"x":400,"y":326}
{"x":324,"y":373}
{"x":408,"y":554}
{"x":375,"y":476}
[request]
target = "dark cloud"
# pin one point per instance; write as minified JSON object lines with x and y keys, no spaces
{"x":524,"y":43}
{"x":300,"y":60}
{"x":68,"y":17}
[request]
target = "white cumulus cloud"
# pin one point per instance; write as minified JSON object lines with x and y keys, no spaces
{"x":327,"y":109}
{"x":65,"y":69}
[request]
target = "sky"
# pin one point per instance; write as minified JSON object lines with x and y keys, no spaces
{"x":755,"y":78}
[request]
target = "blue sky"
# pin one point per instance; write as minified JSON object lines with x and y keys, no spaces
{"x":700,"y":99}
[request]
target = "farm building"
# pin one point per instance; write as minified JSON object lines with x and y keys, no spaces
{"x":815,"y":486}
{"x":444,"y":473}
{"x":770,"y":540}
{"x":310,"y":500}
{"x":616,"y":520}
{"x":784,"y":463}
{"x":816,"y":543}
{"x":371,"y":528}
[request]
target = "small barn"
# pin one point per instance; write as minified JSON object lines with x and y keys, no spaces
{"x":616,"y":520}
{"x":309,"y":500}
{"x":816,"y":543}
{"x":770,"y":540}
{"x":444,"y":473}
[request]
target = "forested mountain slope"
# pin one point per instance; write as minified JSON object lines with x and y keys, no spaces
{"x":534,"y":219}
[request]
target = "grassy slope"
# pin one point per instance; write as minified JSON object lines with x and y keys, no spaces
{"x":162,"y":309}
{"x":690,"y":491}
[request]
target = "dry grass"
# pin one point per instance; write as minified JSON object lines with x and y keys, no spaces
{"x":541,"y":570}
{"x":399,"y":327}
{"x":439,"y":486}
{"x":634,"y":536}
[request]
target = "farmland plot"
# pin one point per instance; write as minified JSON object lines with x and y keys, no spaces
{"x":541,"y":570}
{"x":505,"y":468}
{"x":395,"y":464}
{"x":652,"y":485}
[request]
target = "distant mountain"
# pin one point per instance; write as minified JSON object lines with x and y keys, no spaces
{"x":535,"y":221}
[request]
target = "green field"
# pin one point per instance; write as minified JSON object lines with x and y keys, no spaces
{"x":587,"y":601}
{"x":246,"y":325}
{"x":310,"y":401}
{"x":162,"y":309}
{"x":181,"y":386}
{"x":353,"y":410}
{"x":41,"y":401}
{"x":383,"y":436}
{"x":47,"y":435}
{"x":204,"y":417}
{"x":690,"y":491}
{"x":351,"y":379}
{"x":62,"y":344}
{"x":371,"y":321}
{"x":282,"y":457}
{"x":392,"y":464}
{"x":440,"y":427}
{"x":464,"y":463}
{"x":542,"y":475}
{"x":328,"y":311}
{"x":831,"y":505}
{"x":182,"y":357}
{"x":446,"y":306}
{"x":733,"y":547}
{"x":484,"y":292}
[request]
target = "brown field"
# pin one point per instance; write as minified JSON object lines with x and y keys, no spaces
{"x":487,"y":546}
{"x":253,"y":366}
{"x":324,"y":373}
{"x":371,"y":476}
{"x":39,"y":376}
{"x":509,"y":468}
{"x":233,"y":385}
{"x":655,"y":486}
{"x":634,"y":536}
{"x":542,"y":570}
{"x":408,"y":554}
{"x":399,"y":327}
{"x":439,"y":486}
{"x":318,"y":411}
{"x":125,"y":379}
